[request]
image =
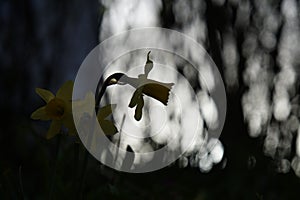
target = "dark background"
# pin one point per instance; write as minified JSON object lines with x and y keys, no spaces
{"x":42,"y":45}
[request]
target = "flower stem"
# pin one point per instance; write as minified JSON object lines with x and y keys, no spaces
{"x":83,"y":172}
{"x":119,"y":142}
{"x":98,"y":96}
{"x":55,"y":166}
{"x":76,"y":164}
{"x":21,"y":183}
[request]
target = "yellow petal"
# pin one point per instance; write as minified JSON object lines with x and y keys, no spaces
{"x":105,"y":111}
{"x":68,"y":122}
{"x":40,"y":114}
{"x":54,"y":129}
{"x":108,"y":127}
{"x":46,"y":95}
{"x":85,"y":106}
{"x":65,"y":92}
{"x":158,"y":90}
{"x":135,"y":97}
{"x":139,"y":109}
{"x":56,"y":109}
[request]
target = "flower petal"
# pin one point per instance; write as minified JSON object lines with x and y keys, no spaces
{"x":54,"y":129}
{"x":108,"y":127}
{"x":68,"y":122}
{"x":84,"y":106}
{"x":139,"y":109}
{"x":135,"y":97}
{"x":65,"y":92}
{"x":105,"y":111}
{"x":158,"y":90}
{"x":46,"y":95}
{"x":40,"y":113}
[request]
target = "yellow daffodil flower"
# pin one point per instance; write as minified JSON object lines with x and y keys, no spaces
{"x":58,"y":108}
{"x":143,"y":85}
{"x":87,"y":107}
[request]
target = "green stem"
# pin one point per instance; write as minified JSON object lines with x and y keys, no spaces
{"x":98,"y":96}
{"x":83,"y":172}
{"x":55,"y":166}
{"x":76,"y":164}
{"x":118,"y":144}
{"x":9,"y":188}
{"x":21,"y":183}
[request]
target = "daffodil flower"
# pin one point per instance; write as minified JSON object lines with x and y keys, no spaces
{"x":137,"y":98}
{"x":152,"y":88}
{"x":58,"y":108}
{"x":87,"y":107}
